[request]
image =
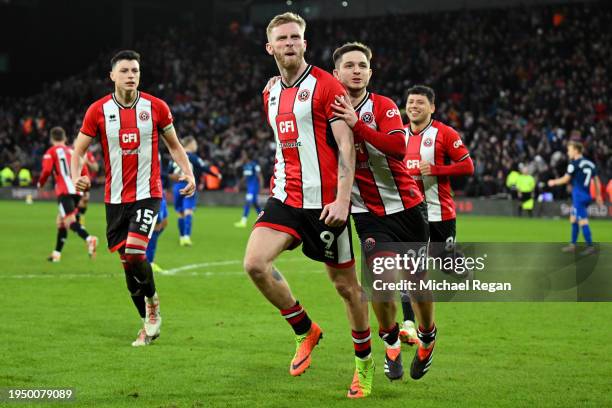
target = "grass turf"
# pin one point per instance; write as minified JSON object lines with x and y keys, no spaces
{"x":71,"y":324}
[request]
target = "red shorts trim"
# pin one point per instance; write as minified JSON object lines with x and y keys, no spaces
{"x":134,"y":246}
{"x":281,"y":228}
{"x":139,"y":236}
{"x":118,"y":246}
{"x":344,"y":265}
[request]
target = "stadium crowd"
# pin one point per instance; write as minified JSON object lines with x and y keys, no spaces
{"x":517,"y":83}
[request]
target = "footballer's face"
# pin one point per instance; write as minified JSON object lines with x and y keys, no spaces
{"x":572,"y":153}
{"x":287,"y":44}
{"x":418,"y":108}
{"x":353,"y":70}
{"x":126,"y":75}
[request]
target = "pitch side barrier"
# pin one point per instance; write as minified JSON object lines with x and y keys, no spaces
{"x":476,"y":206}
{"x":486,"y":272}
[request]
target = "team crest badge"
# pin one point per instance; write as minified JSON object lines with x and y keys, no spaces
{"x":427,"y":142}
{"x":304,"y":95}
{"x":369,"y":244}
{"x":144,"y":116}
{"x":367,"y":117}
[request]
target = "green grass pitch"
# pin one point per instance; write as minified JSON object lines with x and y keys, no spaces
{"x":71,"y":325}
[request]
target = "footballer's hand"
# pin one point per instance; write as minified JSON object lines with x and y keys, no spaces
{"x":189,"y":188}
{"x":344,"y":110}
{"x":82,"y":183}
{"x":335,"y":214}
{"x":425,"y":168}
{"x":271,"y":83}
{"x":551,"y":183}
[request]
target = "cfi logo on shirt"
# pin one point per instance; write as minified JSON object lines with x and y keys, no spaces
{"x":143,"y":116}
{"x":367,"y":118}
{"x":304,"y":95}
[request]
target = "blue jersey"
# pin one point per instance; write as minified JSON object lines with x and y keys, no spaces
{"x":582,"y":172}
{"x":251,"y":171}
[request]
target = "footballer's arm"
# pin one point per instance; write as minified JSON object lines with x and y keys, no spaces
{"x":180,"y":158}
{"x":81,"y":143}
{"x":392,"y":144}
{"x":464,"y":167}
{"x":560,"y":181}
{"x":335,"y":214}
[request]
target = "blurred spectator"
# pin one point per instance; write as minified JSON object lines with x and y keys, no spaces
{"x":517,"y":83}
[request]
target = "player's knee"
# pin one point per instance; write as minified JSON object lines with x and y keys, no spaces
{"x":255,"y":267}
{"x":346,"y":290}
{"x":188,"y":212}
{"x":583,"y":222}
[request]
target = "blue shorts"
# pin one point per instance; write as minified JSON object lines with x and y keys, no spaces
{"x":579,"y":207}
{"x":251,"y":195}
{"x":163,"y":210}
{"x":182,"y":203}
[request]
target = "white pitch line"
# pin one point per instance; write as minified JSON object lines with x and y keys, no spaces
{"x":169,"y":272}
{"x":174,"y":271}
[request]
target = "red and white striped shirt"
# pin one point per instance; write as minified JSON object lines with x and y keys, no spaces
{"x":382,"y":183}
{"x":56,"y":161}
{"x":436,"y":143}
{"x":129,"y":136}
{"x":306,"y":162}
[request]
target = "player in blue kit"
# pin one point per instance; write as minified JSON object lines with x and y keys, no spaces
{"x":160,"y":225}
{"x":580,"y":172}
{"x":185,"y":206}
{"x":251,"y":175}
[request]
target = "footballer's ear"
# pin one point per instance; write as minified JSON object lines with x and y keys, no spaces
{"x":433,"y":107}
{"x":336,"y":74}
{"x":305,"y":45}
{"x":269,"y":49}
{"x":111,"y":75}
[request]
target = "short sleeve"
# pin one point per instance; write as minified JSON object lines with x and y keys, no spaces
{"x":90,"y":122}
{"x":332,"y":89}
{"x":388,"y":118}
{"x":454,"y":146}
{"x":165,"y":119}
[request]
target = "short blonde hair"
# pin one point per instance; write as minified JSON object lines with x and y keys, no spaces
{"x":285,"y":18}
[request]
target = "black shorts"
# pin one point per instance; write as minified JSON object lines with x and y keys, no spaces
{"x":332,"y":245}
{"x":134,"y":219}
{"x":68,"y":204}
{"x":443,"y":231}
{"x":406,"y":226}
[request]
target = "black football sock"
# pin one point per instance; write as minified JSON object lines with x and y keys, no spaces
{"x":78,"y":228}
{"x":297,"y":317}
{"x":62,"y":234}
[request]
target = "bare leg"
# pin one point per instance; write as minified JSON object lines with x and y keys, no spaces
{"x":264,"y":246}
{"x":345,"y":281}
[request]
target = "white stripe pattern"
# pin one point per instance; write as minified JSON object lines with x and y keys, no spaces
{"x":115,"y":153}
{"x":430,"y":183}
{"x":280,"y":177}
{"x":311,"y":174}
{"x":145,"y":151}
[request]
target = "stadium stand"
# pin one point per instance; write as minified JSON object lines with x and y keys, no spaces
{"x":517,"y":83}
